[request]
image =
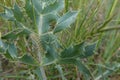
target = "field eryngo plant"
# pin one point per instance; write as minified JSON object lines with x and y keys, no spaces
{"x":32,"y":43}
{"x":47,"y":23}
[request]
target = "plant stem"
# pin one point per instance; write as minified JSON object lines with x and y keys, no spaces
{"x":78,"y":74}
{"x":109,"y":29}
{"x":41,"y":68}
{"x":40,"y":25}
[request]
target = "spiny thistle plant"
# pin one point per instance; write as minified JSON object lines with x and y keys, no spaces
{"x":32,"y":41}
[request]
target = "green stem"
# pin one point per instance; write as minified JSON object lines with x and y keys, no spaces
{"x":109,"y":29}
{"x":66,"y":5}
{"x":112,"y":8}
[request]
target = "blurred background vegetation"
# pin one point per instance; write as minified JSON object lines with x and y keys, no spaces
{"x":98,"y":20}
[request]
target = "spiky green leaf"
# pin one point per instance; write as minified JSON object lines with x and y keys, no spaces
{"x":12,"y":50}
{"x":27,"y":59}
{"x":65,"y":21}
{"x":17,"y":12}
